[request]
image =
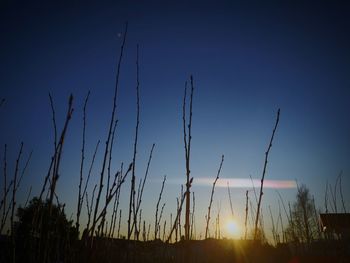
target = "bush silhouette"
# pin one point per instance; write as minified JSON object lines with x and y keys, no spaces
{"x":45,"y":229}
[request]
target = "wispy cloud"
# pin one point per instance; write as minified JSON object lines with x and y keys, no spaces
{"x":240,"y":182}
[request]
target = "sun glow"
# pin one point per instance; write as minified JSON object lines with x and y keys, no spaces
{"x":233,"y":228}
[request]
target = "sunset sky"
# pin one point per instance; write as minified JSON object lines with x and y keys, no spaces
{"x":248,"y":58}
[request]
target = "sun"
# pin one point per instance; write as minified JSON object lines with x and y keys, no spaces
{"x":233,"y":228}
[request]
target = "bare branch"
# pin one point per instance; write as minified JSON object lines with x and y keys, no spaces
{"x":211,"y":197}
{"x":109,"y":131}
{"x":80,"y":195}
{"x":156,"y":222}
{"x":229,"y":197}
{"x":263,"y":176}
{"x":132,"y":207}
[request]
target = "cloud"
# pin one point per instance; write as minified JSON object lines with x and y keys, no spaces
{"x":239,"y":183}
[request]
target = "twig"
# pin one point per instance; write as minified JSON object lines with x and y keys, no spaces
{"x":110,"y":197}
{"x":120,"y":219}
{"x":229,"y":197}
{"x":156,"y":222}
{"x":335,"y":193}
{"x":211,"y":197}
{"x":90,"y":169}
{"x":89,"y":208}
{"x":192,"y":217}
{"x":187,"y":142}
{"x":6,"y":190}
{"x":117,"y":196}
{"x":132,"y":207}
{"x":177,"y":217}
{"x":58,"y":154}
{"x":109,"y":132}
{"x":141,"y":188}
{"x":326,"y":198}
{"x":332,"y":203}
{"x":263,"y":176}
{"x":246,"y":216}
{"x":14,"y":189}
{"x":280,"y":217}
{"x":53,"y":120}
{"x":254,"y":190}
{"x":80,"y":195}
{"x":27,"y":199}
{"x":273,"y":227}
{"x":341,"y":191}
{"x":164,"y":228}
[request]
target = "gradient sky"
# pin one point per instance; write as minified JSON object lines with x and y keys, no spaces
{"x":248,"y":59}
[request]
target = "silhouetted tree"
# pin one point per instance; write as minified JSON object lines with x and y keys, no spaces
{"x":303,"y":225}
{"x":53,"y":227}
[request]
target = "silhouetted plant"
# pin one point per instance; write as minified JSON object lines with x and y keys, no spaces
{"x":187,"y":142}
{"x":192,"y":216}
{"x":263,"y":175}
{"x":110,"y":132}
{"x":211,"y":197}
{"x":3,"y":205}
{"x":13,"y":204}
{"x":246,"y":216}
{"x":303,"y":225}
{"x":56,"y":229}
{"x":157,"y":221}
{"x":229,"y":197}
{"x":132,"y":204}
{"x":178,"y":214}
{"x":140,"y":191}
{"x":80,"y":194}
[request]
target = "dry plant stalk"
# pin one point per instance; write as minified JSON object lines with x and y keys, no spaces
{"x":112,"y":192}
{"x":53,"y":172}
{"x":156,"y":222}
{"x":116,"y":204}
{"x":6,"y":209}
{"x":109,"y":171}
{"x":80,"y":195}
{"x":58,"y":153}
{"x":326,"y":199}
{"x":108,"y":141}
{"x":132,"y":205}
{"x":13,"y":204}
{"x":187,"y":142}
{"x":246,"y":216}
{"x":53,"y":158}
{"x":332,"y":196}
{"x":229,"y":197}
{"x":140,"y":193}
{"x":178,"y":214}
{"x":288,"y":215}
{"x":263,"y":176}
{"x":211,"y":197}
{"x":274,"y":234}
{"x":218,"y":227}
{"x":119,"y":222}
{"x":281,"y":222}
{"x":89,"y":208}
{"x":341,"y":191}
{"x":192,"y":217}
{"x":164,"y":228}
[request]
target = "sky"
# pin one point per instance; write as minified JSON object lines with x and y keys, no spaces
{"x":247,"y":58}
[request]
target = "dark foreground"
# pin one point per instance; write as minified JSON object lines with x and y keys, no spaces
{"x":210,"y":250}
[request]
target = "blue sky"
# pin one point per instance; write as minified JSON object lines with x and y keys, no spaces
{"x":247,"y":59}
